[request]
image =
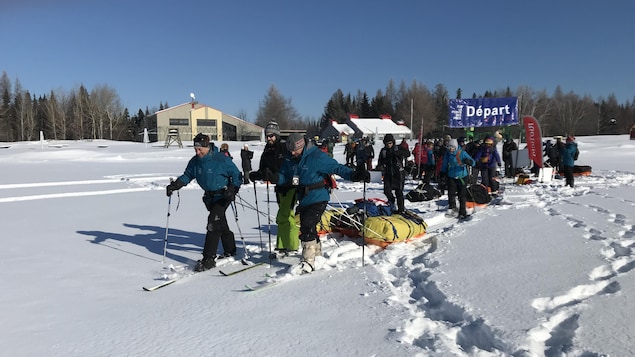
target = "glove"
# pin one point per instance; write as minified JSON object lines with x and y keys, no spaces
{"x":468,"y":161}
{"x":255,"y":176}
{"x":270,"y":176}
{"x":173,"y":186}
{"x":230,"y":192}
{"x":360,"y":175}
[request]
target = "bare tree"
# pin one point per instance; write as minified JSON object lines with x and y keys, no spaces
{"x":536,"y":104}
{"x":55,"y":113}
{"x":242,"y":114}
{"x":570,"y":111}
{"x":416,"y":102}
{"x":106,"y":109}
{"x":441,"y":103}
{"x":5,"y":106}
{"x":25,"y":114}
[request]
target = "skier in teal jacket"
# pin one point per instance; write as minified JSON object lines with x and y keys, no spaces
{"x":306,"y":167}
{"x":455,"y":163}
{"x":568,"y":157}
{"x":219,"y":177}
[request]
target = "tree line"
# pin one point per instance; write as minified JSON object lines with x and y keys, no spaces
{"x":427,"y":109}
{"x":98,"y":114}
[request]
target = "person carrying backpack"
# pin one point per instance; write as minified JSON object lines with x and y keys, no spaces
{"x":454,"y":166}
{"x":431,"y":164}
{"x":567,"y":156}
{"x":305,"y":167}
{"x":219,"y":177}
{"x":486,"y":160}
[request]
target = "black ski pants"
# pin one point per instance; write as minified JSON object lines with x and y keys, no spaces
{"x":568,"y":174}
{"x":217,"y":228}
{"x":457,"y":188}
{"x":310,"y":216}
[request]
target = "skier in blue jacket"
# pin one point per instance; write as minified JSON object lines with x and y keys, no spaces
{"x":455,"y":163}
{"x":306,"y":167}
{"x":219,"y":177}
{"x":568,"y":156}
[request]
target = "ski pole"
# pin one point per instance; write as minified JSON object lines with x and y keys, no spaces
{"x":269,"y":225}
{"x":167,"y":224}
{"x":242,"y":238}
{"x":364,"y":225}
{"x":258,"y":215}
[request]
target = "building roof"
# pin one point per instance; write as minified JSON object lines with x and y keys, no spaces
{"x":197,"y":105}
{"x":342,"y":128}
{"x":380,"y":126}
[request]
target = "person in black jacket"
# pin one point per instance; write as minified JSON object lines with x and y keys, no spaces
{"x":272,"y":158}
{"x":391,"y":159}
{"x":508,"y":146}
{"x":245,"y":156}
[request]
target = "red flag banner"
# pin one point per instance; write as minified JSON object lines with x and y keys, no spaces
{"x":534,"y":139}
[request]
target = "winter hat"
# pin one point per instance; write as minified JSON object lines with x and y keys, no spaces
{"x":272,"y":128}
{"x":201,"y":140}
{"x":570,"y":139}
{"x":388,"y":138}
{"x":489,"y":140}
{"x":461,"y":140}
{"x":453,"y":144}
{"x":295,"y":142}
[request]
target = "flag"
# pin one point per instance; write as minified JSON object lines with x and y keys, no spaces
{"x":534,"y":139}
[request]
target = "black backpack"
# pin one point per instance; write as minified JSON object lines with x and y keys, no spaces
{"x":423,"y":192}
{"x":478,"y":194}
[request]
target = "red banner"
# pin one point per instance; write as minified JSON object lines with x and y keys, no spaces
{"x":534,"y":139}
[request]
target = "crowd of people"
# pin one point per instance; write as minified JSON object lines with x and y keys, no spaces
{"x":301,"y":172}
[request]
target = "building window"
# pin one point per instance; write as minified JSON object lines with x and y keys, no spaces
{"x":205,"y":122}
{"x":179,"y":122}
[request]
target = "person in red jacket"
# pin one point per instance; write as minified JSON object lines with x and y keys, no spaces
{"x":404,"y":145}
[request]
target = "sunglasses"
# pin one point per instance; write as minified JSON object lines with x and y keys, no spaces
{"x":271,"y":135}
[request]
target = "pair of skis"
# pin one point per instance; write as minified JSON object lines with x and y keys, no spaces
{"x":272,"y":280}
{"x":223,"y":272}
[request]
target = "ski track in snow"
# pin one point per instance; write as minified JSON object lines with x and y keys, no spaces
{"x":436,"y":323}
{"x":132,"y":183}
{"x":440,"y":325}
{"x":561,"y":312}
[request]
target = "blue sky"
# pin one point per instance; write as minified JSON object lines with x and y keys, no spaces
{"x":230,"y":52}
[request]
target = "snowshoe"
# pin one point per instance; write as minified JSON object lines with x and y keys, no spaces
{"x":303,"y":268}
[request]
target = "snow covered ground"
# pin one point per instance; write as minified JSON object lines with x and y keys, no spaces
{"x":549,"y":272}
